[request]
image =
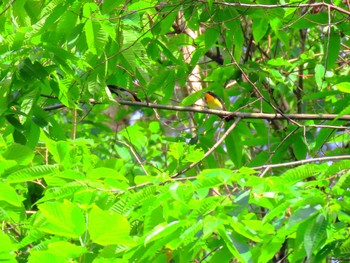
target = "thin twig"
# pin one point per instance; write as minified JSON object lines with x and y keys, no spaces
{"x":54,"y":107}
{"x":136,"y":155}
{"x":313,"y":160}
{"x":7,"y":7}
{"x":281,"y":143}
{"x":223,"y":137}
{"x":74,"y":124}
{"x":267,"y":167}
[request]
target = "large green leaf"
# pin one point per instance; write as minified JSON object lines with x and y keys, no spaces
{"x":63,"y":219}
{"x":108,"y":227}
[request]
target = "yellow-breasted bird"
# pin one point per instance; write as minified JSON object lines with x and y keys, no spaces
{"x":214,"y":102}
{"x":123,"y":94}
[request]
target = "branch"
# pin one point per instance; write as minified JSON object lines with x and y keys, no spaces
{"x":54,"y":107}
{"x":320,"y":159}
{"x":278,"y":165}
{"x":262,"y":167}
{"x":7,"y":7}
{"x":210,"y":150}
{"x":136,"y":155}
{"x":242,"y":115}
{"x":339,"y":9}
{"x":230,"y":114}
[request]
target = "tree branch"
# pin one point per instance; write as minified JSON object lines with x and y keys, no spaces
{"x":301,"y":162}
{"x":339,"y":9}
{"x":278,"y":165}
{"x":229,"y":114}
{"x":243,"y":115}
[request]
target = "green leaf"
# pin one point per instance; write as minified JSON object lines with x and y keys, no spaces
{"x":302,"y":214}
{"x":299,"y":147}
{"x":319,"y":75}
{"x":164,"y":24}
{"x":270,"y":246}
{"x":9,"y":195}
{"x":176,"y":150}
{"x":45,"y":256}
{"x":162,"y":231}
{"x":299,"y":173}
{"x":65,"y":191}
{"x":67,"y":22}
{"x":191,"y":99}
{"x":322,"y":138}
{"x":15,"y":122}
{"x":278,"y":62}
{"x":230,"y":243}
{"x":193,"y":154}
{"x":103,"y":172}
{"x":238,"y":40}
{"x":29,"y":70}
{"x":332,"y":47}
{"x":107,"y":227}
{"x":19,"y":153}
{"x":276,"y":26}
{"x":90,"y":36}
{"x":7,"y":249}
{"x":110,"y":5}
{"x":234,"y":148}
{"x":19,"y":138}
{"x":343,"y":87}
{"x":315,"y":235}
{"x":260,"y":27}
{"x":311,"y":20}
{"x":213,"y":177}
{"x":66,"y":249}
{"x":211,"y":36}
{"x":277,"y":211}
{"x":31,"y":173}
{"x":32,"y":236}
{"x":131,"y":201}
{"x":64,"y":219}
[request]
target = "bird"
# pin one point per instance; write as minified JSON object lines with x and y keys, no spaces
{"x":123,"y":94}
{"x":214,"y":102}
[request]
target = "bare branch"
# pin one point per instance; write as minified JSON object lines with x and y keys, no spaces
{"x":231,"y":115}
{"x":242,"y":115}
{"x":301,"y":162}
{"x":334,"y":7}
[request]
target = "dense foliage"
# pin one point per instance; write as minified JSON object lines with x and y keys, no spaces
{"x":87,"y":179}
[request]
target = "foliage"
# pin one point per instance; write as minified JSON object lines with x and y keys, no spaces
{"x":86,"y":179}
